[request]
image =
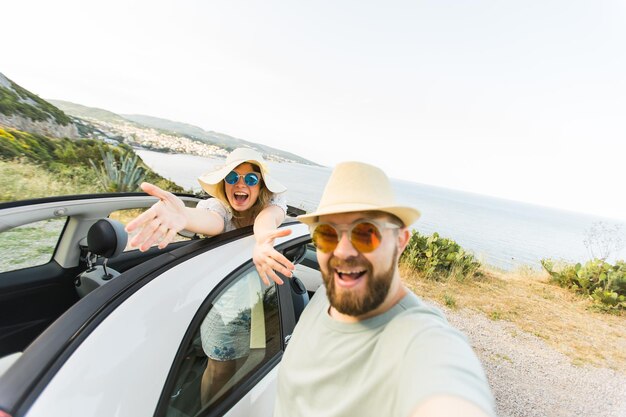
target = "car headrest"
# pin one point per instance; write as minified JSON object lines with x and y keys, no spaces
{"x":107,"y":238}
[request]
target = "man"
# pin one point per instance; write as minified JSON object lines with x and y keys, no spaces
{"x":366,"y":345}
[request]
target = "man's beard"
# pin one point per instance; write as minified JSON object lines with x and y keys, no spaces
{"x":356,"y":303}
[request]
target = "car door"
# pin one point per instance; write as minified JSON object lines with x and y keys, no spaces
{"x":126,"y":356}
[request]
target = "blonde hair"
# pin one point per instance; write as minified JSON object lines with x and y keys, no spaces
{"x":246,"y":218}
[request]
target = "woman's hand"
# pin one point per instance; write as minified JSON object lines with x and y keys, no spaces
{"x":161,"y":222}
{"x":268,"y":260}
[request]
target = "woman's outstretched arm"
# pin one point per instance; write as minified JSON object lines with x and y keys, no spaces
{"x":168,"y":216}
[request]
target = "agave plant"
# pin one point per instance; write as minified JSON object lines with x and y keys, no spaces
{"x":123,"y":176}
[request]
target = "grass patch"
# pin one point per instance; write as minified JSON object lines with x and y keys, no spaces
{"x":24,"y":180}
{"x":29,"y":245}
{"x":564,"y":320}
{"x":495,"y":315}
{"x":449,"y":301}
{"x":502,"y":358}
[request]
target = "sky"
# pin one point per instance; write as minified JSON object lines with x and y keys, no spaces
{"x":523,"y":100}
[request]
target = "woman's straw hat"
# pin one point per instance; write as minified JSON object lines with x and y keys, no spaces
{"x":355,"y":186}
{"x":211,"y":181}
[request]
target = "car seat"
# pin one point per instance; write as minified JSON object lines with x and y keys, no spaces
{"x":106,"y":238}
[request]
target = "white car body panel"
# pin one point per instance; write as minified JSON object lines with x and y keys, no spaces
{"x":133,"y":361}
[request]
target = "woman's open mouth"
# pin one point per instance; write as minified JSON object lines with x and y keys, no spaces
{"x":240,"y":197}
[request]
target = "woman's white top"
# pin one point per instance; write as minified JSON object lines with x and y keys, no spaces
{"x":226,"y":212}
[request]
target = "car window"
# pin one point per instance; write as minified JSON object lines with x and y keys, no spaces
{"x":30,"y":244}
{"x":239,"y":333}
{"x":125,"y":216}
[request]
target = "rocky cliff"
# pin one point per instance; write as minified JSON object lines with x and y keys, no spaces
{"x":23,"y":110}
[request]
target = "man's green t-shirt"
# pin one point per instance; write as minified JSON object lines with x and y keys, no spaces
{"x":382,"y":366}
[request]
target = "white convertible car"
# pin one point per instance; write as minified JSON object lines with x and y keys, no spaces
{"x":88,"y":328}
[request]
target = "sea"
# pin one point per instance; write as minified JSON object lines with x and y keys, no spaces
{"x":505,"y":234}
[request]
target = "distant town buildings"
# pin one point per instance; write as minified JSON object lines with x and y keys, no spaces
{"x":153,"y":139}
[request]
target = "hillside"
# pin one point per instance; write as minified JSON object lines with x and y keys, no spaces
{"x":21,"y":109}
{"x":168,"y":136}
{"x":188,"y":130}
{"x":84,"y":112}
{"x":26,"y":112}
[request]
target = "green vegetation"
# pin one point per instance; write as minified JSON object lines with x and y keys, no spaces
{"x":495,"y":315}
{"x":439,"y":258}
{"x":123,"y":176}
{"x":48,"y":152}
{"x":598,"y":279}
{"x":449,"y":301}
{"x":24,"y":103}
{"x":35,"y":166}
{"x":21,"y":180}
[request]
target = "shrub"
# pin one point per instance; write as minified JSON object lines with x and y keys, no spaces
{"x":449,"y":301}
{"x":602,"y":282}
{"x":439,"y":258}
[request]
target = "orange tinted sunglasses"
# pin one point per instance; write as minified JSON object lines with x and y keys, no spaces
{"x":365,"y":235}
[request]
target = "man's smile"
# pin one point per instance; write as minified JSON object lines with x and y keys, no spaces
{"x":349,"y":277}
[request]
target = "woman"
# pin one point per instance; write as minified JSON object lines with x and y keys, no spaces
{"x":245,"y":194}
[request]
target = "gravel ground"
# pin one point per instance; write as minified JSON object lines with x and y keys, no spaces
{"x":530,"y":378}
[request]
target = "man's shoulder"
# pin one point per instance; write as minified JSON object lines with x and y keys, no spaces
{"x":412,"y":307}
{"x":414,"y":316}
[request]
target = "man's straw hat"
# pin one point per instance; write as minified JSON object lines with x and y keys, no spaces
{"x":211,"y":181}
{"x":355,"y":186}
